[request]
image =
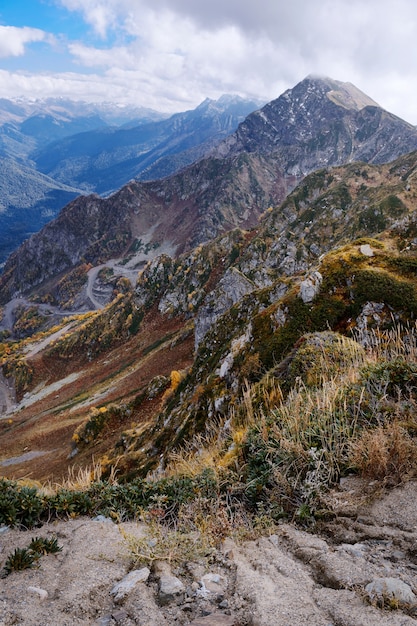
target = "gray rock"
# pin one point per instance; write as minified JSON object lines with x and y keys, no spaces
{"x":102,"y":518}
{"x":42,"y":594}
{"x":383,"y":590}
{"x":161,"y":568}
{"x":315,"y":249}
{"x":231,"y":288}
{"x":310,"y":287}
{"x":357,"y":550}
{"x":212,"y":584}
{"x":106,"y":620}
{"x":170,"y":589}
{"x":366,"y":250}
{"x":125,"y":586}
{"x":119,"y":616}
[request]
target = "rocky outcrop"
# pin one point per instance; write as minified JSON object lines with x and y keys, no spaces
{"x":231,"y":288}
{"x":310,"y":287}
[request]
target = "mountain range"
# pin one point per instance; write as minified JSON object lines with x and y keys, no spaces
{"x":54,"y":150}
{"x":319,"y":123}
{"x":184,"y":290}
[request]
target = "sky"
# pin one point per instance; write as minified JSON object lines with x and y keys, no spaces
{"x":170,"y":55}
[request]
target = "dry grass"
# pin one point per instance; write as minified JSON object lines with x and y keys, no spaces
{"x":295,"y":446}
{"x":161,"y":543}
{"x":399,"y":342}
{"x":215,"y":449}
{"x":385,"y":453}
{"x":80,"y":479}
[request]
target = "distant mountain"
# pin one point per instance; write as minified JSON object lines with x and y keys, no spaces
{"x":105,"y":159}
{"x":80,"y":147}
{"x":29,"y":125}
{"x":65,"y":112}
{"x":28,"y":201}
{"x":320,"y":122}
{"x":29,"y":198}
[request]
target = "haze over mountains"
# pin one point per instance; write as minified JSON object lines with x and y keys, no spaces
{"x":54,"y":150}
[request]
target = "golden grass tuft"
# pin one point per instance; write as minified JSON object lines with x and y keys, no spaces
{"x":80,"y":479}
{"x":385,"y":453}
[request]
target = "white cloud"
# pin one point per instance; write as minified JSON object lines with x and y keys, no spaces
{"x":171,"y":54}
{"x":100,"y":14}
{"x":13,"y":40}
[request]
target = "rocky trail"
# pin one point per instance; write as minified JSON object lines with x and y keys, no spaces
{"x":359,"y":571}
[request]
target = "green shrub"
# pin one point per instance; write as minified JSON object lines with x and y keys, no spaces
{"x":378,"y":285}
{"x":19,"y":505}
{"x":390,"y":378}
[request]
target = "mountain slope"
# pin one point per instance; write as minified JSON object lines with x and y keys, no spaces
{"x":143,"y":220}
{"x":46,"y":135}
{"x":29,"y":198}
{"x":322,"y":122}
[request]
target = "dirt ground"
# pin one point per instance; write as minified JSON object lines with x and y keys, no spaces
{"x":291,"y":577}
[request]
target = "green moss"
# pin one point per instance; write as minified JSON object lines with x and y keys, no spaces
{"x":374,"y":243}
{"x":377,"y":285}
{"x":406,"y":265}
{"x":273,"y":344}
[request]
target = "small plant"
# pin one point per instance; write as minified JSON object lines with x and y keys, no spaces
{"x":25,"y":558}
{"x":164,"y":544}
{"x":22,"y":558}
{"x":42,"y":546}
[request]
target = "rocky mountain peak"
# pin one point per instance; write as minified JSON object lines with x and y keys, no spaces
{"x":322,"y":122}
{"x":343,"y":94}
